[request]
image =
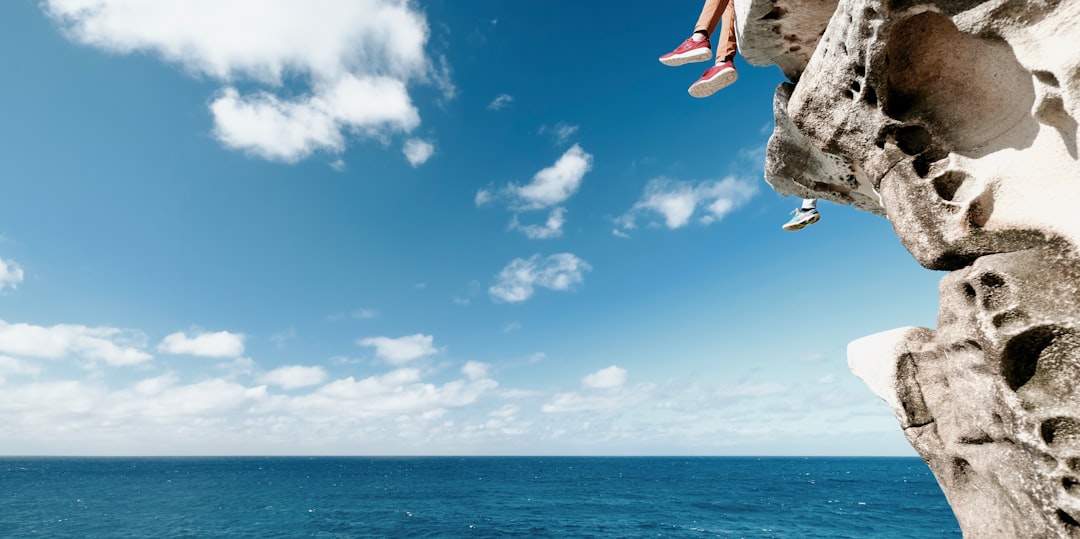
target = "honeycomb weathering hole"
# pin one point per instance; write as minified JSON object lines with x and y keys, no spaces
{"x":1022,"y":354}
{"x":967,"y":90}
{"x":1060,"y":430}
{"x":949,"y":183}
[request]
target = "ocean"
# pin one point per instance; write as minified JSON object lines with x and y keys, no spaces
{"x":565,"y":497}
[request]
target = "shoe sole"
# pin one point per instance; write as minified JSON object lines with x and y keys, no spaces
{"x":705,"y":88}
{"x":697,"y":55}
{"x":799,"y":226}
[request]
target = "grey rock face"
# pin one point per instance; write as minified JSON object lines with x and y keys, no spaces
{"x":957,"y":121}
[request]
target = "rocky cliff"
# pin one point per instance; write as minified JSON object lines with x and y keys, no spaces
{"x":957,"y":121}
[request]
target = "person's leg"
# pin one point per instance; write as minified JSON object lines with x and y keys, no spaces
{"x":710,"y":16}
{"x":726,"y":46}
{"x":807,"y":214}
{"x":696,"y":47}
{"x":723,"y":73}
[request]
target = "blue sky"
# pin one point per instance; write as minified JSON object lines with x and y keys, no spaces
{"x":382,"y":227}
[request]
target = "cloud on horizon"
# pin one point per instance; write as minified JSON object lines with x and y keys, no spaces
{"x":116,"y":347}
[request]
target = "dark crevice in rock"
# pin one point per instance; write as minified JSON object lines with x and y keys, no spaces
{"x":1022,"y":353}
{"x":1068,"y":521}
{"x":1046,"y":78}
{"x":776,"y":13}
{"x":1071,"y":485}
{"x":1060,"y":430}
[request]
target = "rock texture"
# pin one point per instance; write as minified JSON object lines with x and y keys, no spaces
{"x":957,"y":121}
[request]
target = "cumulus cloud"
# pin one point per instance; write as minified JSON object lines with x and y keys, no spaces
{"x":354,"y":59}
{"x":10,"y":274}
{"x":417,"y":151}
{"x":500,"y":102}
{"x":520,"y":278}
{"x":116,"y":347}
{"x":219,"y":344}
{"x":548,"y":188}
{"x":294,"y":376}
{"x":677,"y":202}
{"x":613,"y":376}
{"x":402,"y":349}
{"x":554,"y":184}
{"x":552,"y":228}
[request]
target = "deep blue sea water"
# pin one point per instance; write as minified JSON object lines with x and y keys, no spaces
{"x":588,"y":497}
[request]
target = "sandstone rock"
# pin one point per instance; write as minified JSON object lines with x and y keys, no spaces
{"x":957,"y":121}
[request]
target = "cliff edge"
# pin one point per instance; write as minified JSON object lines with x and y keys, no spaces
{"x":957,"y":121}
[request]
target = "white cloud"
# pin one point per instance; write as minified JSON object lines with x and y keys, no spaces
{"x":355,"y":57}
{"x":678,"y":201}
{"x":417,"y":151}
{"x":219,"y":344}
{"x":483,"y":196}
{"x":613,"y":376}
{"x":365,"y":314}
{"x":396,"y":392}
{"x":500,"y":102}
{"x":552,"y":228}
{"x":10,"y":274}
{"x":114,"y":346}
{"x":282,"y":337}
{"x":402,"y":349}
{"x":554,"y":184}
{"x":613,"y":399}
{"x":561,"y":132}
{"x":475,"y":370}
{"x":294,"y":376}
{"x":12,"y":366}
{"x":519,"y":279}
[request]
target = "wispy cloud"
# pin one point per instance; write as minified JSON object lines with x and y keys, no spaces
{"x":519,"y":279}
{"x":560,"y":132}
{"x":500,"y":102}
{"x":218,"y":344}
{"x":10,"y":274}
{"x":603,"y":390}
{"x":417,"y":151}
{"x":552,"y":228}
{"x":294,"y":376}
{"x":401,"y":350}
{"x":677,"y":202}
{"x":359,"y":56}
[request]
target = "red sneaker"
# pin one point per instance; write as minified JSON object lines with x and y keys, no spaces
{"x":689,"y":51}
{"x":714,"y":79}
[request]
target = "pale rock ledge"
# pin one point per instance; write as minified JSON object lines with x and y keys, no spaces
{"x":957,"y":121}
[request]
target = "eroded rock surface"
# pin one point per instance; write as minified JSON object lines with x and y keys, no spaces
{"x":957,"y":121}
